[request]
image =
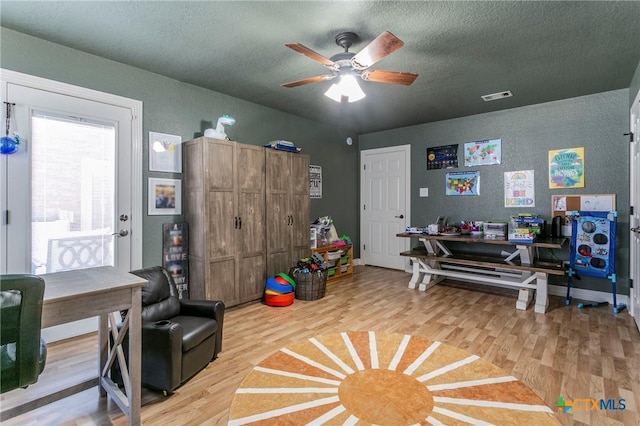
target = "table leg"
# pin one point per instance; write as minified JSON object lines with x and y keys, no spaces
{"x":416,"y":273}
{"x":429,"y":279}
{"x":103,"y":348}
{"x":525,"y":296}
{"x":135,"y":356}
{"x":526,"y":254}
{"x":542,"y":298}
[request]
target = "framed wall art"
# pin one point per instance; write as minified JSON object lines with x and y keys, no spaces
{"x":165,"y":153}
{"x":165,"y":196}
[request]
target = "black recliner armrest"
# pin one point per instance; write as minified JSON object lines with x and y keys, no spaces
{"x":162,"y":354}
{"x":207,"y":309}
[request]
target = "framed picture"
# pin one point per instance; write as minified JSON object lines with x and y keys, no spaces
{"x":165,"y":153}
{"x":165,"y":196}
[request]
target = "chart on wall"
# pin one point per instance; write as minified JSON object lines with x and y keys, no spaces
{"x":442,"y":157}
{"x":593,"y":242}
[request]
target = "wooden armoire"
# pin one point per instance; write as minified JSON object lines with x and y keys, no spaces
{"x":226,"y":193}
{"x":287,"y":205}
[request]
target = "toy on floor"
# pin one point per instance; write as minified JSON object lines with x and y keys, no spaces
{"x":593,"y":243}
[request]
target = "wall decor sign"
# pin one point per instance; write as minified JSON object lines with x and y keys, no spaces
{"x":442,"y":157}
{"x":482,"y":153}
{"x":175,"y":255}
{"x":315,"y":181}
{"x":566,"y":168}
{"x":165,"y":196}
{"x":462,"y":183}
{"x":519,"y":189}
{"x":165,"y":153}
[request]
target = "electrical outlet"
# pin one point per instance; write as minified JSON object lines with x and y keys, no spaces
{"x":424,"y":192}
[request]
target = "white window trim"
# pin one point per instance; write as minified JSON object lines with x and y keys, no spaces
{"x":8,"y":76}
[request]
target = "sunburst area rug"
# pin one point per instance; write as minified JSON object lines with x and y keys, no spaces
{"x":385,"y":379}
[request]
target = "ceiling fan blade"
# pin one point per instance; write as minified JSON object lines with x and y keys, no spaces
{"x":315,"y":79}
{"x":389,"y":77}
{"x":385,"y":44}
{"x":304,"y":50}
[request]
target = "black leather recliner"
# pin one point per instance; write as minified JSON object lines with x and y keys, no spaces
{"x":23,"y":353}
{"x":179,"y":336}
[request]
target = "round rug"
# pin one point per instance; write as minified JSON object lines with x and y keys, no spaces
{"x":384,"y":379}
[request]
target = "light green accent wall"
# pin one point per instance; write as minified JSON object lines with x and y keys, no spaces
{"x":596,"y":122}
{"x":186,"y":110}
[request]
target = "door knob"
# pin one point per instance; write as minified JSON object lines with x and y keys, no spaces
{"x":122,"y":233}
{"x":400,"y":217}
{"x":637,"y":229}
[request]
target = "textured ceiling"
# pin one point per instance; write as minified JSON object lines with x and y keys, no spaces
{"x":541,"y":51}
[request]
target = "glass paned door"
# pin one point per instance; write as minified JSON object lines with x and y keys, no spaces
{"x":68,"y":192}
{"x":72,"y":192}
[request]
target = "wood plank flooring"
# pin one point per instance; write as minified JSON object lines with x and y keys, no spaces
{"x":577,"y":354}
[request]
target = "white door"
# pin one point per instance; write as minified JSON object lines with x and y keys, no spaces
{"x":68,"y":193}
{"x":385,"y":183}
{"x":634,"y":220}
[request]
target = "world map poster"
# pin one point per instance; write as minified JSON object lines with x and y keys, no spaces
{"x":481,"y":153}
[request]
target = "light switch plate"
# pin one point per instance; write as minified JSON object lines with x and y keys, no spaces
{"x":424,"y":192}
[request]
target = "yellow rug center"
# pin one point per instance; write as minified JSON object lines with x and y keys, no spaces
{"x":365,"y":395}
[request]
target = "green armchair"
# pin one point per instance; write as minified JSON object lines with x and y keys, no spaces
{"x":23,"y":353}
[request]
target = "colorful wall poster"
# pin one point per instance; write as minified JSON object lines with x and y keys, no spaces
{"x":442,"y":157}
{"x":315,"y":181}
{"x":463,"y":183}
{"x":519,"y":189}
{"x":482,"y":153}
{"x":566,"y":168}
{"x":175,"y":255}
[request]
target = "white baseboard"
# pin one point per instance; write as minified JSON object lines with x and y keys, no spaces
{"x":588,"y":295}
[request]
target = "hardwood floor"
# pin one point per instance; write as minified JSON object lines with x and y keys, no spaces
{"x":577,"y":354}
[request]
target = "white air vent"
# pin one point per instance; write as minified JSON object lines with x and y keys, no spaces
{"x":498,"y":95}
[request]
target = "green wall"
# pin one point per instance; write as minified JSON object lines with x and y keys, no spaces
{"x":186,"y":110}
{"x":596,"y":122}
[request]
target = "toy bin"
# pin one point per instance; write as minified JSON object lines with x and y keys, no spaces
{"x":310,"y":286}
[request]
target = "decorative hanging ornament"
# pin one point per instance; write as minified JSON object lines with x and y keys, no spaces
{"x":8,"y":144}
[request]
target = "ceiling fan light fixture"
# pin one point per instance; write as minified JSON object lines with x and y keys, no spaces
{"x":347,"y":87}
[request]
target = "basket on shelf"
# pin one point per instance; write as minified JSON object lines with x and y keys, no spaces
{"x":311,"y":285}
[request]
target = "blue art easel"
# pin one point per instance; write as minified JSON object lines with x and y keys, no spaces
{"x":593,"y":246}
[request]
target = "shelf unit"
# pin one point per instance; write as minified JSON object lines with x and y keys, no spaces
{"x":348,"y":254}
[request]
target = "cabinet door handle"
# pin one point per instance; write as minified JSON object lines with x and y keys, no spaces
{"x":239,"y":223}
{"x":236,"y":222}
{"x":291,"y":216}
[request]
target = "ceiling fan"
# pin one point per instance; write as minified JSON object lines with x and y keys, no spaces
{"x":348,"y":65}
